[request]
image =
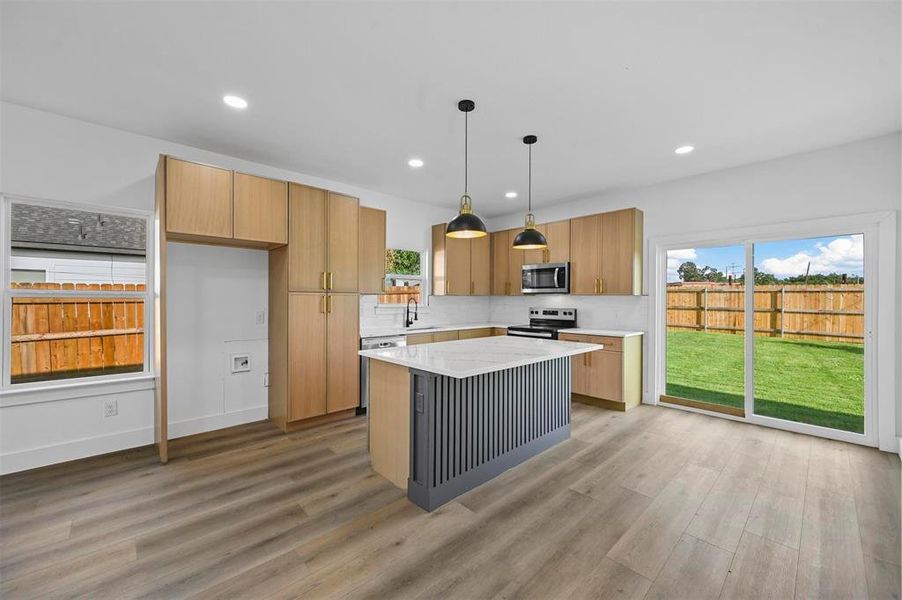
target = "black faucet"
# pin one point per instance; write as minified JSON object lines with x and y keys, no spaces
{"x":407,"y":320}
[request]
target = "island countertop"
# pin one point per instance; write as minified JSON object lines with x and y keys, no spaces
{"x":467,"y":358}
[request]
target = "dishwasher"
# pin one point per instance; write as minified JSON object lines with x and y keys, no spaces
{"x":374,"y":343}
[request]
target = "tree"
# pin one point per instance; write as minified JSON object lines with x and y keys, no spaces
{"x":402,"y":262}
{"x":689,"y":271}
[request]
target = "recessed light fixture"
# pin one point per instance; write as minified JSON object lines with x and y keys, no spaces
{"x":510,"y":194}
{"x":684,"y":150}
{"x":235,"y":101}
{"x":416,"y":163}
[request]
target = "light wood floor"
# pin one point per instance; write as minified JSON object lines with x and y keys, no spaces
{"x":653,"y":503}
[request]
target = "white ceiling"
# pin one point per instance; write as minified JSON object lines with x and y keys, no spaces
{"x":351,"y":91}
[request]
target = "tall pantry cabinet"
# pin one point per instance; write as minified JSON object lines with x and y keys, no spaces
{"x":314,"y":308}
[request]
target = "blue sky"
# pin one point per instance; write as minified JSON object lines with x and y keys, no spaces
{"x":833,"y":254}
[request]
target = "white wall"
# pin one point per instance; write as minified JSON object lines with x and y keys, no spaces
{"x":48,"y":156}
{"x":853,"y":178}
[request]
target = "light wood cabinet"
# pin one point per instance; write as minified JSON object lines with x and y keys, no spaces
{"x":342,"y":238}
{"x":445,"y":336}
{"x":307,"y":235}
{"x":342,"y":344}
{"x":469,"y":334}
{"x":323,"y":228}
{"x":323,"y":369}
{"x":260,"y":209}
{"x":612,"y":377}
{"x":371,"y":250}
{"x":198,"y":200}
{"x":481,"y":266}
{"x":557,"y":234}
{"x":460,"y":267}
{"x":500,"y":262}
{"x":621,"y":252}
{"x":210,"y":205}
{"x":507,"y":263}
{"x":449,"y":336}
{"x":420,"y":338}
{"x":306,"y":356}
{"x":606,"y":253}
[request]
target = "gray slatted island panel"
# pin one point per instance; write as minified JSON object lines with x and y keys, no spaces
{"x":466,"y":431}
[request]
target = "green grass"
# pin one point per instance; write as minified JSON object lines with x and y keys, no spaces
{"x":821,"y":383}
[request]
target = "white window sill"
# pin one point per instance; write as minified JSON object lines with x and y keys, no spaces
{"x":394,"y":308}
{"x":57,"y":391}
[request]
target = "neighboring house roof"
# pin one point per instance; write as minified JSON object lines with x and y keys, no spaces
{"x":53,"y":228}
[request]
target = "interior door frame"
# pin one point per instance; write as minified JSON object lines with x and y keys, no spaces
{"x":879,"y":229}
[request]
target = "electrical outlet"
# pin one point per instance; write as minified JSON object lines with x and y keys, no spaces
{"x":261,"y":317}
{"x":110,"y":408}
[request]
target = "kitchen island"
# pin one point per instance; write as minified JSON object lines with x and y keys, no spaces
{"x":447,"y":417}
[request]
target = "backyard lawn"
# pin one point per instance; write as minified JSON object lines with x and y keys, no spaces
{"x":821,"y":383}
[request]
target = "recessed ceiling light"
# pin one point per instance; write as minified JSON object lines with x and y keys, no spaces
{"x":235,"y":101}
{"x":510,"y":195}
{"x":416,"y":163}
{"x":684,"y":150}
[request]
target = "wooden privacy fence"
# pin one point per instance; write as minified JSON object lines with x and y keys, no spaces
{"x":821,"y":312}
{"x":67,"y":337}
{"x":399,"y":294}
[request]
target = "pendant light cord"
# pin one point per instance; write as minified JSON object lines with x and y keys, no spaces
{"x":529,"y":185}
{"x":466,"y":151}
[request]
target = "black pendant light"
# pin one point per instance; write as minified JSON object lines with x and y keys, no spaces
{"x":466,"y":224}
{"x":530,"y":238}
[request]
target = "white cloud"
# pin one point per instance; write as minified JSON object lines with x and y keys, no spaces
{"x":677,"y":257}
{"x":842,"y":255}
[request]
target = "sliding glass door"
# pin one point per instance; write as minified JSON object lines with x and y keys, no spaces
{"x":705,"y":328}
{"x":809,"y":331}
{"x":772,"y":330}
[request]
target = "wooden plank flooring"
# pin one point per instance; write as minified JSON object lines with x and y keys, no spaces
{"x":652,"y":503}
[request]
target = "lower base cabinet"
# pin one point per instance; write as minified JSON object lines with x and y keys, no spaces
{"x":321,"y":373}
{"x":447,"y":336}
{"x":612,"y":377}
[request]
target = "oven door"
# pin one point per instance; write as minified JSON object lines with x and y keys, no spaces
{"x":542,"y":334}
{"x":549,"y":278}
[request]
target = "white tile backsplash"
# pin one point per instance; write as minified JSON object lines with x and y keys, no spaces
{"x":592,"y":312}
{"x":596,"y":312}
{"x":442,"y":310}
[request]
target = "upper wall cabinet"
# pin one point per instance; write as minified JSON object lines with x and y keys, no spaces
{"x":261,"y":209}
{"x":557,"y":234}
{"x":324,"y":231}
{"x":212,"y":205}
{"x":606,"y":253}
{"x":198,"y":200}
{"x":342,"y":239}
{"x":371,"y":250}
{"x":460,"y":267}
{"x":507,"y":264}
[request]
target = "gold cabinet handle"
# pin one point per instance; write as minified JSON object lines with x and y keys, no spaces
{"x":324,"y":279}
{"x":331,"y":304}
{"x":448,"y":287}
{"x":322,"y":307}
{"x":331,"y":282}
{"x":601,"y":286}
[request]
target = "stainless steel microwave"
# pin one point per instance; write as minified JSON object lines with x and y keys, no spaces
{"x":546,"y":278}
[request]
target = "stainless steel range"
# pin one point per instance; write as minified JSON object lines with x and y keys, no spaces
{"x":545,"y":323}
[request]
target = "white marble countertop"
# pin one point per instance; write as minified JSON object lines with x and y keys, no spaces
{"x":466,"y":358}
{"x":604,"y":332}
{"x":383,"y":331}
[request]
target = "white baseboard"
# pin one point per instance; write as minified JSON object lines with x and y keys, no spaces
{"x":212,"y":422}
{"x":66,"y":451}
